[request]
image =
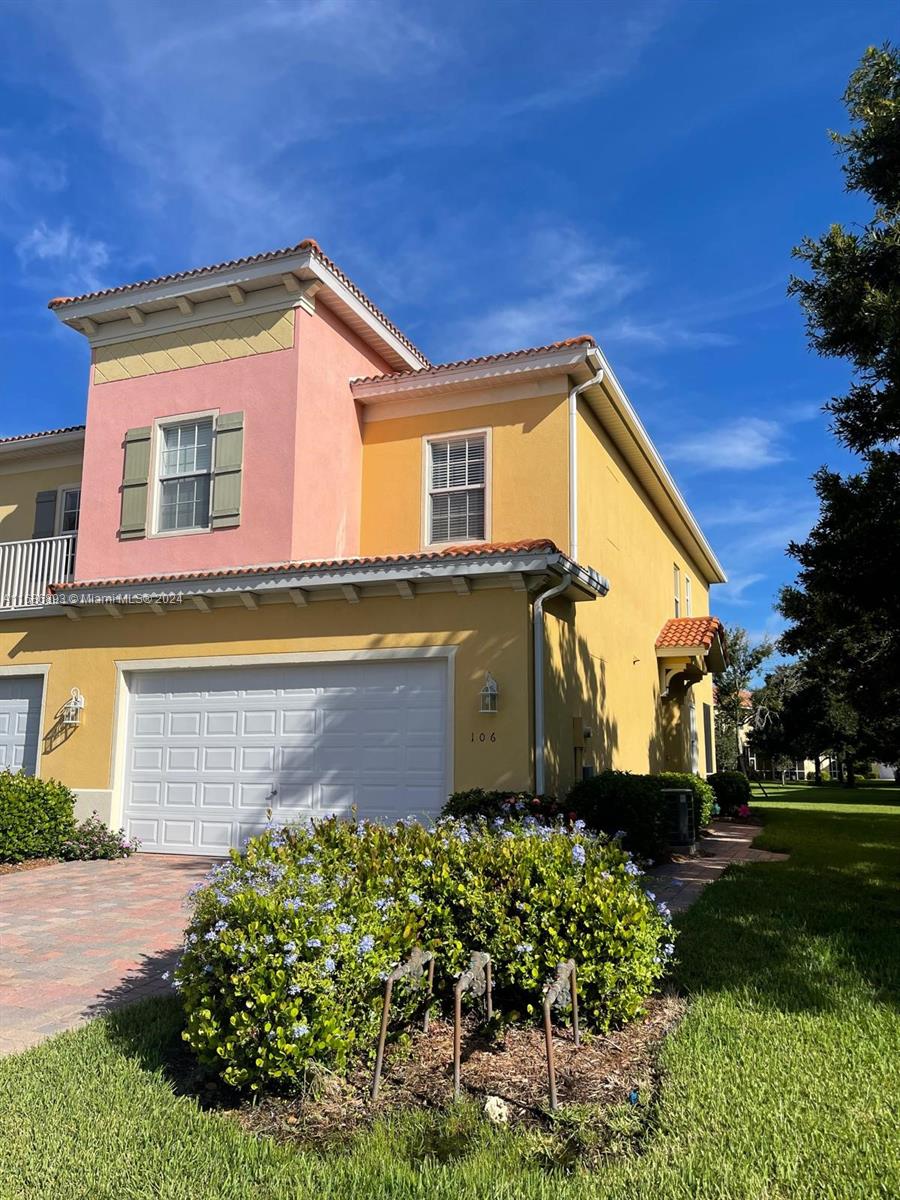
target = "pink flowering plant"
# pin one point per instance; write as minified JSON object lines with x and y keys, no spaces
{"x":291,"y":940}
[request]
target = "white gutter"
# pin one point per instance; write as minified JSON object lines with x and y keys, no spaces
{"x":538,"y":619}
{"x":594,"y":359}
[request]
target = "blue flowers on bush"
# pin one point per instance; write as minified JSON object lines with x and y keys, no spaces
{"x":259,"y":1008}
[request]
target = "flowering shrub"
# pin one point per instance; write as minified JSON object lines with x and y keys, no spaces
{"x":732,"y":789}
{"x":743,"y":812}
{"x":36,"y":816}
{"x":477,"y":802}
{"x":93,"y":838}
{"x":290,"y":941}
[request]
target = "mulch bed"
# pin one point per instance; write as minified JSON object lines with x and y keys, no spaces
{"x":604,"y":1071}
{"x":30,"y":864}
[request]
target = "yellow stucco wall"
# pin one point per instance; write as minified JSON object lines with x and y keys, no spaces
{"x":19,"y":485}
{"x":489,"y":629}
{"x":601,"y":666}
{"x":151,"y":354}
{"x":529,"y":470}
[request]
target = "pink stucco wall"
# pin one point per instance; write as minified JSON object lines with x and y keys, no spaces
{"x":329,"y":440}
{"x":264,"y":388}
{"x":301,"y":484}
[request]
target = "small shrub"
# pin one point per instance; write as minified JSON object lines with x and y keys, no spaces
{"x":825,"y":775}
{"x":732,"y":789}
{"x":618,"y":802}
{"x":36,"y":817}
{"x":290,"y":941}
{"x":93,"y":838}
{"x":478,"y":802}
{"x":703,"y":795}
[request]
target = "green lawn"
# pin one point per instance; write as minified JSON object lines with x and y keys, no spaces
{"x":782,"y":1082}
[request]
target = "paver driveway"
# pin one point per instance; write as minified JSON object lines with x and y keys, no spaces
{"x":79,"y":938}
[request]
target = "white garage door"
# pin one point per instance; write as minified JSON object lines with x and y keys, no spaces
{"x":20,"y":721}
{"x":210,"y":750}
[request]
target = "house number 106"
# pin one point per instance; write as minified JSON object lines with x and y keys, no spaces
{"x":484,"y":737}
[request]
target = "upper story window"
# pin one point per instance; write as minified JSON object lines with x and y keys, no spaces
{"x":67,"y":510}
{"x":185,"y":470}
{"x":688,"y":599}
{"x":676,"y":584}
{"x":456,"y":501}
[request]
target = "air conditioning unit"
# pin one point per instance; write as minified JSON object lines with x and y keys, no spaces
{"x":680,"y":814}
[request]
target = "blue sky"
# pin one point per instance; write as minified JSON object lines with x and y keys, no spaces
{"x":494,"y":175}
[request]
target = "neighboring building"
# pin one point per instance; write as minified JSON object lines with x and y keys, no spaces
{"x":290,"y":564}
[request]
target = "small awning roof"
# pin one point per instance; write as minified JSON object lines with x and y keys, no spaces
{"x":694,"y":637}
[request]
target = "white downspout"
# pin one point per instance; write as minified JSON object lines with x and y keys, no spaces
{"x":538,"y":619}
{"x":574,"y":393}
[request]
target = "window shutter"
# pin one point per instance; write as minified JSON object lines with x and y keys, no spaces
{"x":45,"y":514}
{"x":225,"y":510}
{"x":135,"y":482}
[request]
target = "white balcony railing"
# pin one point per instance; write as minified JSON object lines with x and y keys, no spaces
{"x":28,"y":568}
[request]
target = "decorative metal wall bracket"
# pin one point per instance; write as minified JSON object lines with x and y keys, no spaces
{"x":478,"y":980}
{"x":413,"y":968}
{"x":563,"y":990}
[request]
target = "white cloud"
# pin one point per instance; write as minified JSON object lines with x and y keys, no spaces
{"x":668,"y":334}
{"x":745,"y":444}
{"x":76,"y":260}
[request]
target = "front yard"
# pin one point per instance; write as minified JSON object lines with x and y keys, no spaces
{"x":782,"y":1081}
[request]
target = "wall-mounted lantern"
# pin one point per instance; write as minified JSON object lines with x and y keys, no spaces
{"x":490,"y":694}
{"x":72,"y":709}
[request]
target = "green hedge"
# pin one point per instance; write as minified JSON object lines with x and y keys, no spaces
{"x":290,"y":941}
{"x":732,"y":789}
{"x":617,"y":802}
{"x":36,"y":817}
{"x":704,"y":797}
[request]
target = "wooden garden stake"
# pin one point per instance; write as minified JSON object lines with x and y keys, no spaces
{"x":563,"y":988}
{"x":478,"y":980}
{"x":413,"y":968}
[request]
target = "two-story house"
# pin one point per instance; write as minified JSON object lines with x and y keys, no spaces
{"x":289,"y":564}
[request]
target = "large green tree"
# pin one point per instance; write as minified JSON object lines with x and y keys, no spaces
{"x":852,"y":296}
{"x":844,"y":608}
{"x":732,"y":691}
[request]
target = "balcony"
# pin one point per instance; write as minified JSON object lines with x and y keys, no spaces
{"x":28,"y":568}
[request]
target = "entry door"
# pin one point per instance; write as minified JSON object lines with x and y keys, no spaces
{"x":210,"y":750}
{"x":20,"y":721}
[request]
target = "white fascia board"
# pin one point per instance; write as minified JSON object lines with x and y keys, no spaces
{"x":474,"y":375}
{"x":585,"y":579}
{"x":54,"y":443}
{"x":642,"y":438}
{"x":302,"y":263}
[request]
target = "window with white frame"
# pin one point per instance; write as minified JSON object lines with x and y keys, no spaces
{"x":688,"y":599}
{"x":185,"y":469}
{"x":676,"y":584}
{"x":456,"y":502}
{"x":68,"y":509}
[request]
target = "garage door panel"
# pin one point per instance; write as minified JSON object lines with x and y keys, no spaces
{"x":20,"y":718}
{"x":326,"y":737}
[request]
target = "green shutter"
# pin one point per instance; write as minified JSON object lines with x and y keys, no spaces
{"x":45,"y":514}
{"x":225,"y":510}
{"x":135,"y":483}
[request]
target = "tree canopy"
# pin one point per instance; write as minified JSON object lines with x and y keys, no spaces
{"x":844,"y":607}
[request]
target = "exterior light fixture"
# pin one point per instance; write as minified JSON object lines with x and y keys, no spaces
{"x":489,"y":694}
{"x":71,"y":711}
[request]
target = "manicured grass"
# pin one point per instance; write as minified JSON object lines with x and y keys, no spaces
{"x":782,"y":1082}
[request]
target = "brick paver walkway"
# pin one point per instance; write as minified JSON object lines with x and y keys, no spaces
{"x":680,"y":883}
{"x":80,"y":938}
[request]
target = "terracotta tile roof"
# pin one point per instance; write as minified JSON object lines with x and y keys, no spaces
{"x":536,"y":546}
{"x":24,"y":437}
{"x":582,"y":339}
{"x":690,"y":631}
{"x":269,"y":255}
